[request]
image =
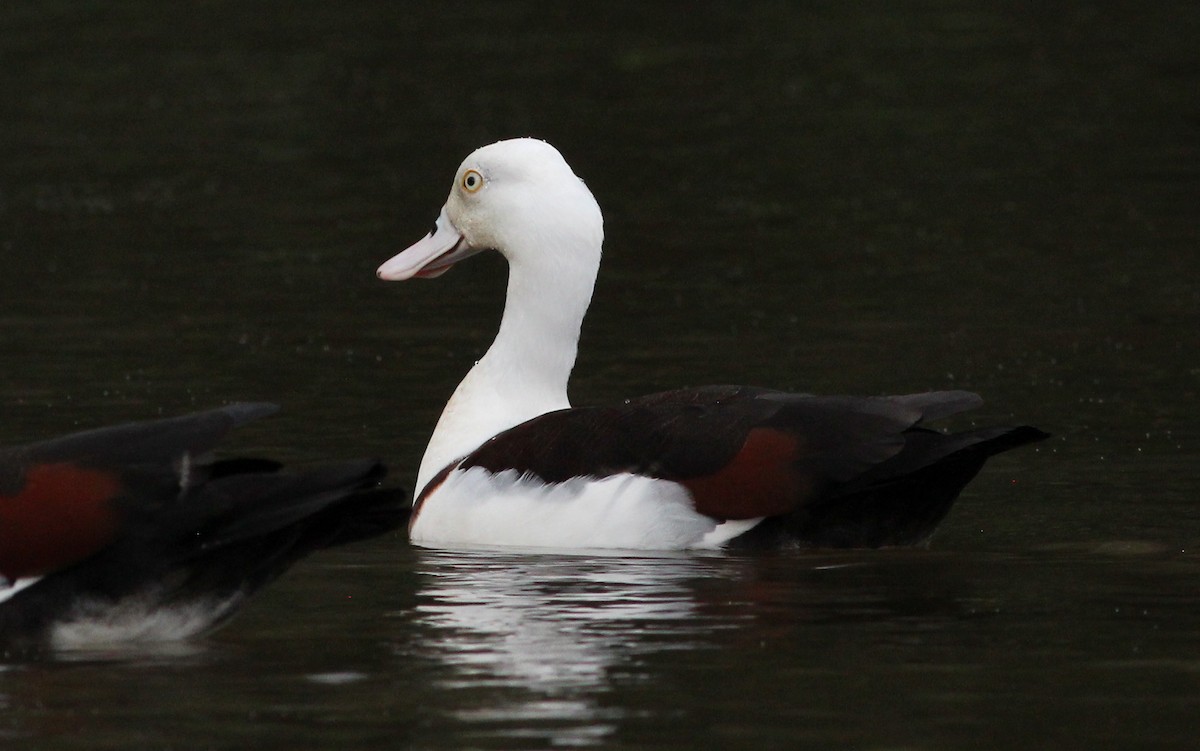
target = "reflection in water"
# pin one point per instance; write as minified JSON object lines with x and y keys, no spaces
{"x":555,"y":629}
{"x":597,"y":649}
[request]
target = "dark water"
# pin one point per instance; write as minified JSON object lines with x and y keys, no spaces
{"x":863,"y":198}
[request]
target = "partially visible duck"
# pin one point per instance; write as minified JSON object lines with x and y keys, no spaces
{"x":511,"y":463}
{"x":134,"y":534}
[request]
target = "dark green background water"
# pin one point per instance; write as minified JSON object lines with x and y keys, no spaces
{"x":831,"y":197}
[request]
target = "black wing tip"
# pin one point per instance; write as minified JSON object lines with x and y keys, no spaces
{"x":368,"y":513}
{"x":998,"y":439}
{"x":348,"y":474}
{"x":262,"y":502}
{"x":1025,"y":434}
{"x":327,"y":506}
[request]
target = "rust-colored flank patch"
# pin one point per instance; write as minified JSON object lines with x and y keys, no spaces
{"x":62,"y":514}
{"x":760,"y":480}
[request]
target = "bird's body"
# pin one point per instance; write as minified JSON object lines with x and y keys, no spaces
{"x":511,"y":463}
{"x":134,"y":534}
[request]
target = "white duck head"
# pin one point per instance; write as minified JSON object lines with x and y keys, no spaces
{"x":520,"y":198}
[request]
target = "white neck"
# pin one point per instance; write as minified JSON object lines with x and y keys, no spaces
{"x":525,"y":372}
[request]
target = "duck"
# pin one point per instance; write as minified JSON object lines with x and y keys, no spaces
{"x":134,"y":534}
{"x":512,"y":463}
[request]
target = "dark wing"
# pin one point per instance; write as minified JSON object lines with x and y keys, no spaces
{"x":746,"y":453}
{"x":64,"y":499}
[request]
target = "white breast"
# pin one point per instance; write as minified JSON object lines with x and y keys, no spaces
{"x":477,"y":507}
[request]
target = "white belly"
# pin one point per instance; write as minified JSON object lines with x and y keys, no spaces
{"x":476,"y":507}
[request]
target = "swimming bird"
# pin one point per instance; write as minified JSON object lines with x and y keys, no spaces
{"x":511,"y":462}
{"x":134,"y":534}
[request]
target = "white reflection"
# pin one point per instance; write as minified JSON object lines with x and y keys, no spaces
{"x":540,"y":636}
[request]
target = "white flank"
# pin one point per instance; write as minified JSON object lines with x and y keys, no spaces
{"x":476,"y":507}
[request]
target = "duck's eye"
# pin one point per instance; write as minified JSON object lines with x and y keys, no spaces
{"x":472,"y":181}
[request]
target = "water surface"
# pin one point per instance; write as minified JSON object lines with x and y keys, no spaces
{"x":868,"y":198}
